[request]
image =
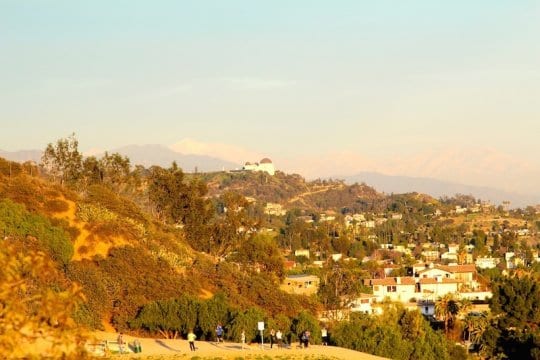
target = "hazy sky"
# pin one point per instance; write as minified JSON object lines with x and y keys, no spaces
{"x":355,"y":82}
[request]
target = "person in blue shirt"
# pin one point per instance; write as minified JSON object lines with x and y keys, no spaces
{"x":219,"y":333}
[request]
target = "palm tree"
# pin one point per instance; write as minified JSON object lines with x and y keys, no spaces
{"x":476,"y":325}
{"x":464,"y":306}
{"x":447,"y":308}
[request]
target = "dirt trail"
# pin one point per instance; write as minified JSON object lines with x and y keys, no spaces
{"x":300,"y":197}
{"x":173,"y":349}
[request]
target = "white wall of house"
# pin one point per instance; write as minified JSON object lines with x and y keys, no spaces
{"x":398,"y":292}
{"x":439,"y":289}
{"x":487,"y":263}
{"x":363,"y":305}
{"x":434,"y":273}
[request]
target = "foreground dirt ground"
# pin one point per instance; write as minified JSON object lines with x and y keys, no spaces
{"x":179,"y":349}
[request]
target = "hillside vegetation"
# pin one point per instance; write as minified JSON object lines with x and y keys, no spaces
{"x":293,"y":191}
{"x":155,"y":251}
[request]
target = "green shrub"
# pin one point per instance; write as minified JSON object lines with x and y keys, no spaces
{"x":16,"y":221}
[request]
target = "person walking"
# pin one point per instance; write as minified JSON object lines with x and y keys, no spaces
{"x":324,"y":335}
{"x":243,"y":338}
{"x":191,"y":340}
{"x":279,"y":339}
{"x":304,"y":339}
{"x":137,"y":346}
{"x":272,"y":337}
{"x":120,"y":341}
{"x":219,"y":333}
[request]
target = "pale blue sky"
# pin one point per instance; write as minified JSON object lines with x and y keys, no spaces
{"x":284,"y":78}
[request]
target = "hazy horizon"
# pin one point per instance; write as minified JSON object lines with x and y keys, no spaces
{"x":441,"y":90}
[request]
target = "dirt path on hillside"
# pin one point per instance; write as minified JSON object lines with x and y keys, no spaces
{"x":300,"y":197}
{"x":173,"y":349}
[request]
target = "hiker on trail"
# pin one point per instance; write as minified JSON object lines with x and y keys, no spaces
{"x":304,"y":339}
{"x":191,"y":340}
{"x":324,"y":335}
{"x":219,"y":333}
{"x":137,"y":346}
{"x":272,"y":337}
{"x":279,"y":338}
{"x":243,"y":338}
{"x":120,"y":341}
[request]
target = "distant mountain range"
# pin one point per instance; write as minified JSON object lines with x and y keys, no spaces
{"x":148,"y":155}
{"x":439,"y":188}
{"x":22,"y":155}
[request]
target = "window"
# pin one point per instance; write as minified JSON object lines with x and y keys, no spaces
{"x":391,"y":288}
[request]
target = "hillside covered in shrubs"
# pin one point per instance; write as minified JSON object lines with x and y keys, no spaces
{"x":157,"y":252}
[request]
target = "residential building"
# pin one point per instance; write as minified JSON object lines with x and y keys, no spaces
{"x":274,"y":209}
{"x":394,"y":288}
{"x":487,"y":262}
{"x":301,"y":284}
{"x":363,"y":303}
{"x":302,"y":252}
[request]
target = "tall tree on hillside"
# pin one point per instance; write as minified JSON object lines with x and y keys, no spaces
{"x":115,"y":168}
{"x":339,"y":287}
{"x":231,"y":225}
{"x":63,"y":161}
{"x":91,"y":171}
{"x":180,"y":202}
{"x":167,"y":192}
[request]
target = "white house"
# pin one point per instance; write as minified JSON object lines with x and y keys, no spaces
{"x":430,"y":288}
{"x":363,"y":303}
{"x":301,"y":284}
{"x":431,"y":255}
{"x":302,"y":252}
{"x":487,"y":262}
{"x":465,"y":273}
{"x":336,"y":257}
{"x":395,"y":288}
{"x":368,"y":224}
{"x":274,"y":209}
{"x":449,"y":256}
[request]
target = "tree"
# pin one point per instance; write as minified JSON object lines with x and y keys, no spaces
{"x":30,"y":313}
{"x":246,"y":320}
{"x":211,"y":312}
{"x":231,"y":225}
{"x":91,"y":171}
{"x":305,"y":321}
{"x":447,"y":308}
{"x":182,"y":203}
{"x":63,"y":161}
{"x":517,"y":301}
{"x":260,"y":252}
{"x":475,"y":325}
{"x":115,"y":168}
{"x":338,"y":287}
